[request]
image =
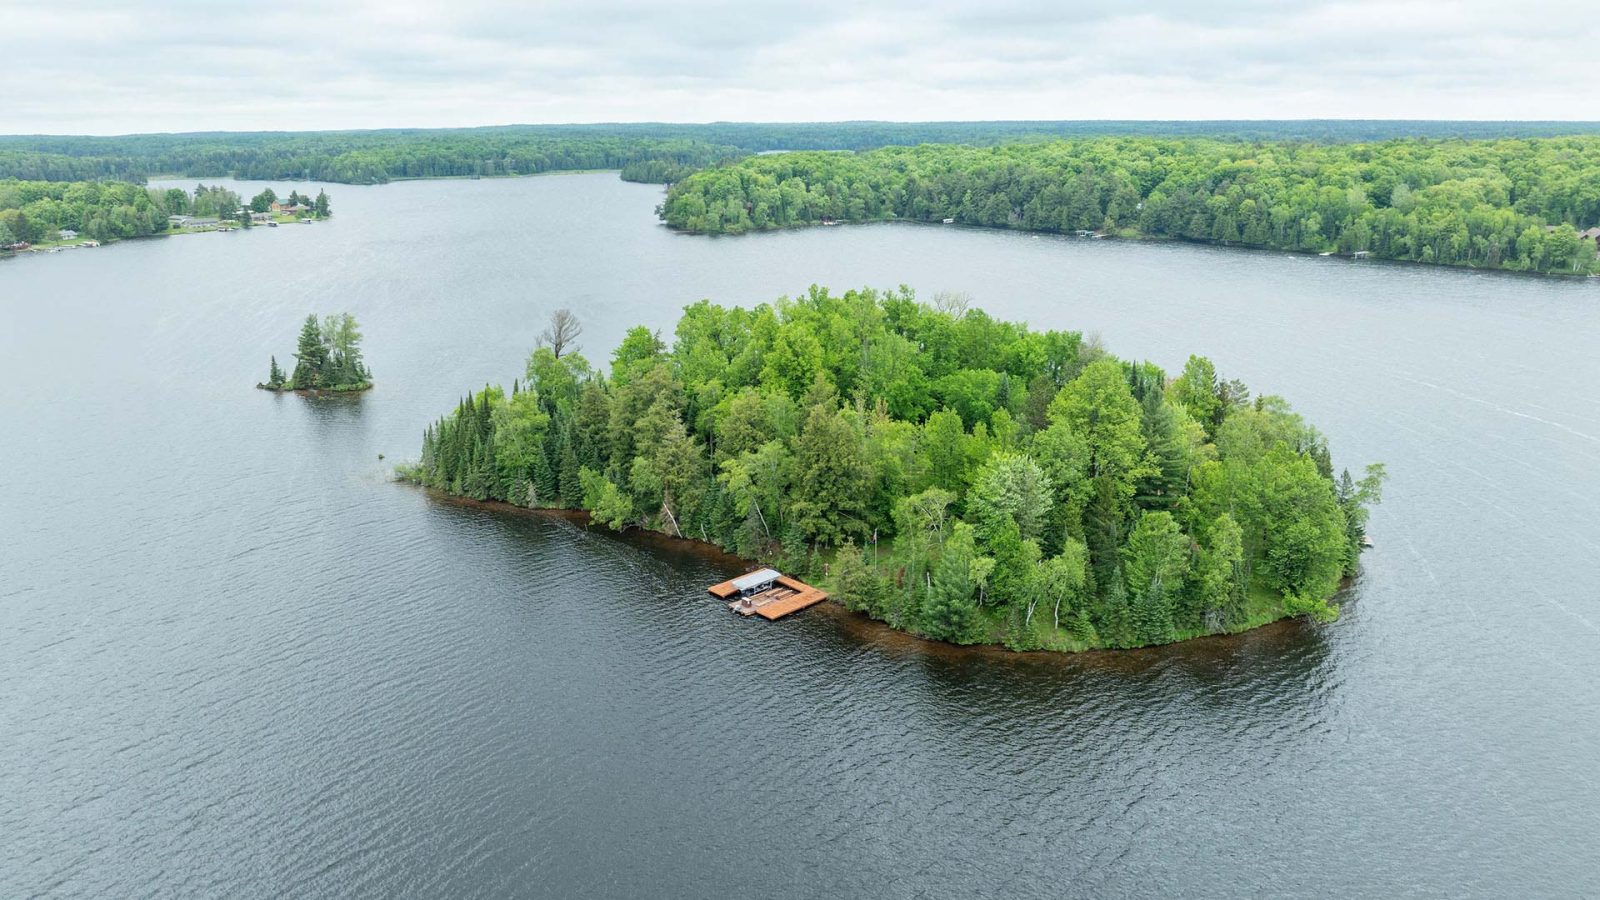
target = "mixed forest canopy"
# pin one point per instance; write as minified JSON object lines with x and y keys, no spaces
{"x":957,"y":476}
{"x":360,"y":157}
{"x":653,"y":152}
{"x":1512,"y":204}
{"x":327,"y":358}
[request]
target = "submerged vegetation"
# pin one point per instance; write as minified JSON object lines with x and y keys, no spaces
{"x":959,"y":477}
{"x":1509,"y":204}
{"x":327,"y":359}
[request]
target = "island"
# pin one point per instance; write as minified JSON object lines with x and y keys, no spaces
{"x":47,"y":216}
{"x":1518,"y":205}
{"x":959,"y":477}
{"x":327,"y":361}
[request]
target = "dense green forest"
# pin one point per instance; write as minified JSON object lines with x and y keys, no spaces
{"x":956,"y":476}
{"x":1478,"y":203}
{"x":365,"y":157}
{"x":327,"y":358}
{"x":654,"y":152}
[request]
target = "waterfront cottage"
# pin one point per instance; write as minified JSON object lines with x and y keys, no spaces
{"x":1592,"y":235}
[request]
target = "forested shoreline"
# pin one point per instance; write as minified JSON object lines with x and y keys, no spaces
{"x":653,"y":152}
{"x":962,"y":478}
{"x":44,"y":212}
{"x":1519,"y":205}
{"x":368,"y":157}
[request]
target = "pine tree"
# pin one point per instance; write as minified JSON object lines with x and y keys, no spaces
{"x":951,"y":610}
{"x":311,"y":357}
{"x":275,"y":375}
{"x":546,"y":483}
{"x":571,"y":489}
{"x":430,"y":454}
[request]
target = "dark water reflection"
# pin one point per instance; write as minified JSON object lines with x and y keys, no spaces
{"x":237,"y":660}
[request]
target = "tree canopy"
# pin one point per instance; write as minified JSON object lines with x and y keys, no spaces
{"x":1072,"y":502}
{"x":1511,"y":204}
{"x":327,"y":358}
{"x":37,"y":211}
{"x":655,"y":152}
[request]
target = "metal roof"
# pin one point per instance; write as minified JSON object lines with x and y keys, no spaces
{"x":755,"y":579}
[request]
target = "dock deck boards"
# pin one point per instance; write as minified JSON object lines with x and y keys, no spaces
{"x":793,"y":603}
{"x":788,"y":596}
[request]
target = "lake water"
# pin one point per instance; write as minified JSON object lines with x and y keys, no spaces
{"x":237,"y":660}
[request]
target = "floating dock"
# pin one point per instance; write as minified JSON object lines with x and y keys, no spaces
{"x":768,"y":594}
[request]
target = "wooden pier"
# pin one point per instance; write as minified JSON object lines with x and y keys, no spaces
{"x":778,"y":597}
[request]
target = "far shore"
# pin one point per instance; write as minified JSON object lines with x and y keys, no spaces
{"x":83,"y":243}
{"x":1136,"y":236}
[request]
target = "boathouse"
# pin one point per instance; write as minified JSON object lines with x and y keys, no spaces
{"x":755,"y":582}
{"x":767,"y":593}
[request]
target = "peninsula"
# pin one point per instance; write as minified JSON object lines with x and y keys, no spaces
{"x":47,"y":216}
{"x":1519,"y":205}
{"x":959,"y":477}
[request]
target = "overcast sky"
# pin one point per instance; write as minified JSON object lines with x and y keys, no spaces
{"x":117,"y":66}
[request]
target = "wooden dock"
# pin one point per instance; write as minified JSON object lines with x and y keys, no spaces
{"x":785,"y":596}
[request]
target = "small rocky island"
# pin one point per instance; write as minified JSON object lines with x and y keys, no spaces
{"x":327,"y":360}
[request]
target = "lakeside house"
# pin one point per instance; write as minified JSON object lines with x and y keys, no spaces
{"x":1592,"y":235}
{"x":290,"y":208}
{"x":67,"y":234}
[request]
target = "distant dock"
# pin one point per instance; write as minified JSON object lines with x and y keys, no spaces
{"x":767,"y":593}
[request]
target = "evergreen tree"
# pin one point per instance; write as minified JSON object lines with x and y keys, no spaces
{"x":951,"y":610}
{"x":1156,"y":561}
{"x":311,"y":357}
{"x":833,"y":477}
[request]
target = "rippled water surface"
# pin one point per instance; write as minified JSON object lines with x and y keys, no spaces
{"x":237,"y":660}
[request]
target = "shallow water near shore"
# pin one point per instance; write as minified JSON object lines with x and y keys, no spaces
{"x":237,"y":659}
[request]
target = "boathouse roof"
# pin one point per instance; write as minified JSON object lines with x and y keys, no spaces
{"x":755,"y":579}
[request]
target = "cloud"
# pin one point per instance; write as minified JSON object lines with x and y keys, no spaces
{"x":184,"y":65}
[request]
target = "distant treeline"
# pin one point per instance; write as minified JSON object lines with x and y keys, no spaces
{"x":369,"y":157}
{"x":1478,"y":203}
{"x":644,"y":151}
